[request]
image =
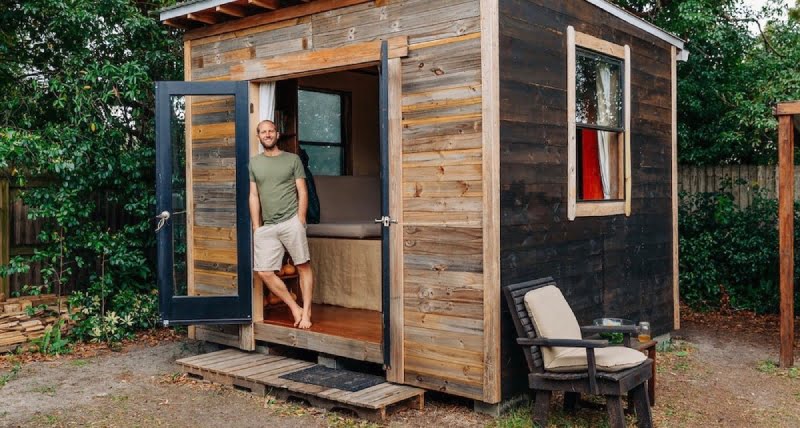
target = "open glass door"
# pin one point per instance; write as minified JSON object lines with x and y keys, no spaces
{"x":202,"y":186}
{"x":386,"y":219}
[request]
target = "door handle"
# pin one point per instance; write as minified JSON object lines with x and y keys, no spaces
{"x":386,"y":221}
{"x":162,"y":219}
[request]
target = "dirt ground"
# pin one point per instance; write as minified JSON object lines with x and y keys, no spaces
{"x":719,"y":370}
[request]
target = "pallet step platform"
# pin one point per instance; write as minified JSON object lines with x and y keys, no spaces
{"x":261,"y":374}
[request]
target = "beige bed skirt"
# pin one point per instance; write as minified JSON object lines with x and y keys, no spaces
{"x":347,"y":272}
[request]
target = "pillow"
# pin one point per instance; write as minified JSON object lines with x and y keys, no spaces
{"x":611,"y":359}
{"x":553,"y":319}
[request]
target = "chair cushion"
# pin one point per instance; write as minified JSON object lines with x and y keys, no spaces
{"x":553,"y":319}
{"x":611,"y":359}
{"x":344,"y":230}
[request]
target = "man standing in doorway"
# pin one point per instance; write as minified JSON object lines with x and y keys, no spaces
{"x":279,"y":197}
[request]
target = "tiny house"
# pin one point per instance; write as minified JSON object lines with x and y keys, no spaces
{"x":456,"y":145}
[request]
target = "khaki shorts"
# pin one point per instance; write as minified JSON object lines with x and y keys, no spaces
{"x":269,"y":241}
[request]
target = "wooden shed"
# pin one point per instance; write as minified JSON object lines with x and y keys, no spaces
{"x":495,"y":141}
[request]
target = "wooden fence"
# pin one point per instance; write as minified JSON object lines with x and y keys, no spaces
{"x":697,"y":179}
{"x":19,"y":237}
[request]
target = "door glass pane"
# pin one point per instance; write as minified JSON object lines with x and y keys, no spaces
{"x":319,"y":117}
{"x":178,"y":179}
{"x":212,"y":210}
{"x":324,"y":160}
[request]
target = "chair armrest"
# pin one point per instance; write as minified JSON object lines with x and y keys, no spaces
{"x":589,"y":345}
{"x":568,"y":343}
{"x":594,"y":329}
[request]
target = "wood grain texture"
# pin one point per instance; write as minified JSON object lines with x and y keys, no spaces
{"x":786,"y":236}
{"x":490,"y":81}
{"x":675,"y":256}
{"x":190,"y":287}
{"x":572,"y":157}
{"x":396,"y":370}
{"x":279,"y":15}
{"x":329,"y":344}
{"x":592,"y":258}
{"x":318,"y":60}
{"x":437,"y":138}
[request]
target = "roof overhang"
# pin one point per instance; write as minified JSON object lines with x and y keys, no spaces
{"x":195,"y":13}
{"x":643,"y":25}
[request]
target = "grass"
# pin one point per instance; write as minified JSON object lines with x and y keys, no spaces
{"x":771,"y":367}
{"x":79,"y":363}
{"x":520,"y":417}
{"x":46,"y":390}
{"x":11,"y":375}
{"x":767,"y":366}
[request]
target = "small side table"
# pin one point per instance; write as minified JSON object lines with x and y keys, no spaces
{"x":648,"y":347}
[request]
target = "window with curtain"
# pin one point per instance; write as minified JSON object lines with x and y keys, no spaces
{"x":598,"y":117}
{"x":600,"y":127}
{"x":321,"y":130}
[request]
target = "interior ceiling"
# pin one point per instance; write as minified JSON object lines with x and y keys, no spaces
{"x":227,"y":11}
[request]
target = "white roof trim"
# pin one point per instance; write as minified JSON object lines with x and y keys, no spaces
{"x":641,"y":24}
{"x":191,"y":8}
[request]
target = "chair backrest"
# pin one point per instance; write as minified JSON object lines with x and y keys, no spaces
{"x":515,"y":298}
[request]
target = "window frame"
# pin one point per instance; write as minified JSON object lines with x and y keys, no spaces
{"x":343,"y":125}
{"x":593,"y":44}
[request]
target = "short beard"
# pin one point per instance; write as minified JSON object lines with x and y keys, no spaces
{"x":266,"y":147}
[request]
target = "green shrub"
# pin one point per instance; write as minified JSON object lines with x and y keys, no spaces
{"x":77,"y":133}
{"x":115,"y":319}
{"x":728,"y":255}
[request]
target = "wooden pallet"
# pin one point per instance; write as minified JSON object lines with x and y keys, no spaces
{"x":261,"y":374}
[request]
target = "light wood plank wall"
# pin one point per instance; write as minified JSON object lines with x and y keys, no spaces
{"x":442,"y":166}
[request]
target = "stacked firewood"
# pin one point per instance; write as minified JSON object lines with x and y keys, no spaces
{"x":18,"y":328}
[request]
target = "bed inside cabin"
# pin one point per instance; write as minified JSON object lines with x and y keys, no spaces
{"x":333,"y":119}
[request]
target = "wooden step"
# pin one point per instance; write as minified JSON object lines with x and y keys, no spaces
{"x":261,"y":374}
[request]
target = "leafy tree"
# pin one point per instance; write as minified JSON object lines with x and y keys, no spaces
{"x":77,"y":120}
{"x":737,"y":71}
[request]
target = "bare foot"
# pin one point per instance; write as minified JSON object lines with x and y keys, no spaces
{"x":297,"y":313}
{"x":305,"y":322}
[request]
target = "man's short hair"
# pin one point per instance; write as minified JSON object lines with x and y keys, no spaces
{"x":258,"y":127}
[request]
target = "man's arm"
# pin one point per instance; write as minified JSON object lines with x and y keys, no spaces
{"x":255,"y":206}
{"x":302,"y":199}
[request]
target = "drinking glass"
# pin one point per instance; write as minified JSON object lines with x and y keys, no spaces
{"x":644,"y":331}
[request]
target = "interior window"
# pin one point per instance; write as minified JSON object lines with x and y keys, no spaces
{"x":599,"y":114}
{"x":320,"y":130}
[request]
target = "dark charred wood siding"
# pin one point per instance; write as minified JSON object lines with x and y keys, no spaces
{"x":605,"y":266}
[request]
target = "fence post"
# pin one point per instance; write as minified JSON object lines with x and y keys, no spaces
{"x":5,"y":231}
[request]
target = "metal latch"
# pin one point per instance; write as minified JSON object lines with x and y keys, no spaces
{"x":162,"y":219}
{"x":385,"y":220}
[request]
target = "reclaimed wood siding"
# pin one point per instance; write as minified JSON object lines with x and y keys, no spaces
{"x":213,"y":195}
{"x":441,"y":161}
{"x":606,"y":266}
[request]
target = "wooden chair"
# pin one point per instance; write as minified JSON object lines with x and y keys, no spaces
{"x":613,"y":385}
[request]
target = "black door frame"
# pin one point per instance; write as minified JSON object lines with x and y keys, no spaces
{"x":236,"y":309}
{"x":383,"y":101}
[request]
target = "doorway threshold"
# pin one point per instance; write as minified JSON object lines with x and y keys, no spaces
{"x":344,"y":332}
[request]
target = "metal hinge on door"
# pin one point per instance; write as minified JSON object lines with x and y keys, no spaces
{"x":386,"y":221}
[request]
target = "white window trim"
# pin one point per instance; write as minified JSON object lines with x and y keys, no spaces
{"x":595,"y":208}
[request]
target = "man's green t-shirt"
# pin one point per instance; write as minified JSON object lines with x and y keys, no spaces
{"x":275,"y":177}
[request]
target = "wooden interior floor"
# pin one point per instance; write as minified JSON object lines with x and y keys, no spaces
{"x":358,"y":324}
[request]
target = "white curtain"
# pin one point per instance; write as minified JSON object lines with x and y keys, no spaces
{"x":605,"y":115}
{"x":266,"y":106}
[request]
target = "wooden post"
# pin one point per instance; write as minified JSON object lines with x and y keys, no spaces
{"x":5,"y":232}
{"x":786,"y":236}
